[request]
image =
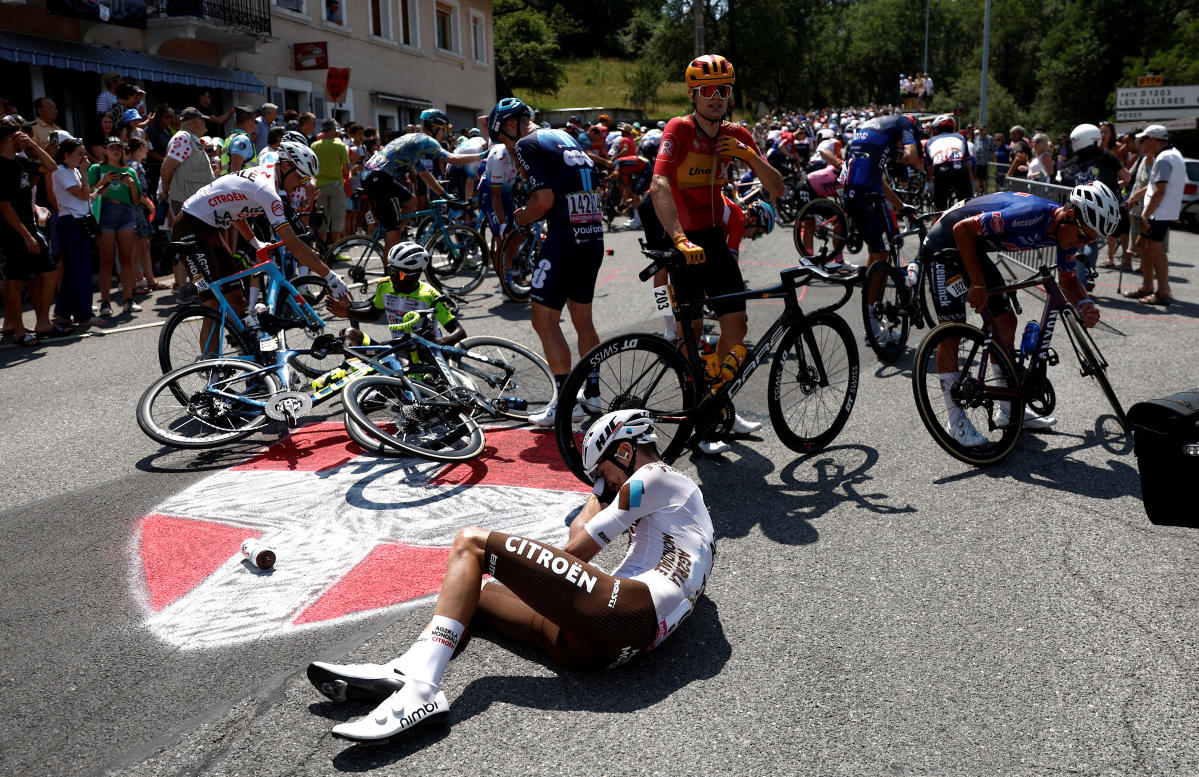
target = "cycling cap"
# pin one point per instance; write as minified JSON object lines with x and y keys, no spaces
{"x":407,"y":256}
{"x":765,"y":215}
{"x":944,"y":123}
{"x":301,"y":157}
{"x":1084,"y":135}
{"x":295,"y":137}
{"x":610,"y":429}
{"x":434,"y":117}
{"x":507,"y":108}
{"x":709,"y":69}
{"x":1096,"y":207}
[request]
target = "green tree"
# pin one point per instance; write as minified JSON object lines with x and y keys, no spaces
{"x":525,"y":51}
{"x":644,"y":82}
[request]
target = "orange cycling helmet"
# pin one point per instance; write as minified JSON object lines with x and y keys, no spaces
{"x":709,"y":69}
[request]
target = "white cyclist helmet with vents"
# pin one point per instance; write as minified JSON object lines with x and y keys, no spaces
{"x":408,"y":257}
{"x":301,"y":157}
{"x":604,"y":435}
{"x":1096,"y":207}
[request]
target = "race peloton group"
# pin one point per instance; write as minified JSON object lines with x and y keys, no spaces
{"x":554,"y":598}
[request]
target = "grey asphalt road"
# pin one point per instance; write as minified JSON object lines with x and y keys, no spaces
{"x":876,"y":607}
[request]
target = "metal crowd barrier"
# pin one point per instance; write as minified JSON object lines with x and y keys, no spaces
{"x":1035,"y":258}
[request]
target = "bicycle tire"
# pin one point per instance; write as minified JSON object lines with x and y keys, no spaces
{"x":315,"y":290}
{"x":182,"y":340}
{"x":885,"y":300}
{"x":364,"y":439}
{"x":428,"y":428}
{"x":422,"y":230}
{"x":512,"y":371}
{"x":830,"y":230}
{"x":1092,"y":363}
{"x":201,"y":419}
{"x":925,"y":299}
{"x":789,"y":204}
{"x":635,"y":371}
{"x":516,"y":280}
{"x":811,"y":419}
{"x":368,"y":264}
{"x":975,"y":398}
{"x":458,"y":259}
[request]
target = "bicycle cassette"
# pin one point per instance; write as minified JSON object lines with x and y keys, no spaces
{"x":288,"y":406}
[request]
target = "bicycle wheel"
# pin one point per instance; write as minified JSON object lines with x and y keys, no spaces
{"x":973,"y":407}
{"x":885,"y":299}
{"x":813,"y":382}
{"x":928,"y":310}
{"x":1091,"y":362}
{"x":364,"y":439}
{"x":367,"y":264}
{"x":197,"y":332}
{"x":315,"y":290}
{"x":514,"y":266}
{"x":411,"y":417}
{"x":500,"y":369}
{"x":457,"y":259}
{"x":826,"y":224}
{"x":634,"y":371}
{"x":423,"y":229}
{"x":211,"y":412}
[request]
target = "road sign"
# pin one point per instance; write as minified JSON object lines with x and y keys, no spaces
{"x":1157,"y":97}
{"x":1149,"y":81}
{"x":1156,"y":115}
{"x":1172,"y":125}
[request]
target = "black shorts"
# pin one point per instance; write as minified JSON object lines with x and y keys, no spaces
{"x":594,"y":618}
{"x":719,"y":274}
{"x":946,"y":266}
{"x":656,"y":238}
{"x":211,"y":259}
{"x":1125,"y":222}
{"x":388,"y":199}
{"x":566,"y":270}
{"x":950,"y":185}
{"x":20,"y":265}
{"x":1157,"y":229}
{"x":873,"y":217}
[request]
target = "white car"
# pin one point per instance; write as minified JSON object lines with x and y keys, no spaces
{"x":1190,"y":196}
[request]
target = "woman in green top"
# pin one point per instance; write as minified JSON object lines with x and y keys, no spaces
{"x":119,"y":190}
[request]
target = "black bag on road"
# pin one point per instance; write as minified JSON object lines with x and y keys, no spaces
{"x":1166,"y":437}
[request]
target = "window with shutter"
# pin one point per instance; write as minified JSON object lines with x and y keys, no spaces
{"x":316,"y":104}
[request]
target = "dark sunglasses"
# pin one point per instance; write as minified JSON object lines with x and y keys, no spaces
{"x":708,"y":91}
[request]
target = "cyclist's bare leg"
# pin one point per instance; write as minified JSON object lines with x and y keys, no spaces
{"x":547,"y":323}
{"x":580,"y":317}
{"x":876,"y":291}
{"x":733,"y":328}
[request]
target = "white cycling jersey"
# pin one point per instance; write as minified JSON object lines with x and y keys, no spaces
{"x":472,"y":146}
{"x":671,"y":539}
{"x":238,"y":196}
{"x":949,"y":149}
{"x":501,"y":168}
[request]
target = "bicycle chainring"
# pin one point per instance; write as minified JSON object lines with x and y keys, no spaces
{"x":288,"y":406}
{"x":1040,"y":396}
{"x":716,"y":423}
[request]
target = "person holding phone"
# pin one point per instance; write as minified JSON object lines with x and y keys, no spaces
{"x":119,"y":190}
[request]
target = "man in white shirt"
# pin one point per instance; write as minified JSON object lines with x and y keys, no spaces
{"x":1163,"y":204}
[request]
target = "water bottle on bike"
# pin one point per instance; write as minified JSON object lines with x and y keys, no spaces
{"x":730,"y":366}
{"x":1028,"y":343}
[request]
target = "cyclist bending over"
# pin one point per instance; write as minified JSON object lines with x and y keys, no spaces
{"x":868,"y":199}
{"x":956,"y":249}
{"x":554,"y":599}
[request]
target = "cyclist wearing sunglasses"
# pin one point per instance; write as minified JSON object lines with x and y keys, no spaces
{"x":957,"y":246}
{"x":692,"y":166}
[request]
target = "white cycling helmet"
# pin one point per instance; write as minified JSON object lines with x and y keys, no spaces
{"x":1096,"y":207}
{"x":1084,"y":135}
{"x":302,"y":158}
{"x":292,"y":136}
{"x":826,"y":134}
{"x":408,"y":257}
{"x":633,"y":425}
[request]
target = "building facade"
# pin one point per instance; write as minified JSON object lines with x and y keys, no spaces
{"x":403,"y":55}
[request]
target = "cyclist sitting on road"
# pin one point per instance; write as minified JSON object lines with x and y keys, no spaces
{"x":947,"y":156}
{"x":408,"y":153}
{"x":957,"y":247}
{"x":554,"y":599}
{"x":403,"y":292}
{"x":232,"y":199}
{"x":868,"y":198}
{"x":689,"y":175}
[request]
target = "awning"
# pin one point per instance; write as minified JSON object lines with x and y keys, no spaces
{"x":72,"y":55}
{"x":399,"y":99}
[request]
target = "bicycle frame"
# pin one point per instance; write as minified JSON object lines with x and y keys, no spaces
{"x":1055,"y":303}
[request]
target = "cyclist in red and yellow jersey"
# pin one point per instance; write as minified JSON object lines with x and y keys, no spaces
{"x":692,"y":165}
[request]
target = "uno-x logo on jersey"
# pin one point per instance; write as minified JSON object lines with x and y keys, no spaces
{"x":354,"y":534}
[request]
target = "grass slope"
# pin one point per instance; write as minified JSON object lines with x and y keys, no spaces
{"x":600,"y":81}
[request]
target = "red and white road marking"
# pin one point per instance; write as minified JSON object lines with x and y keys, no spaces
{"x":353,"y":533}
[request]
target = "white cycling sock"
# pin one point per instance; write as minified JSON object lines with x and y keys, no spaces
{"x":426,"y":660}
{"x":999,"y":381}
{"x":955,"y":412}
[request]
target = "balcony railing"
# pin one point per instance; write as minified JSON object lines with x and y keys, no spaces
{"x":253,"y":16}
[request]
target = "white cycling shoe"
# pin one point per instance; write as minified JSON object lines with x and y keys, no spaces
{"x":546,"y":417}
{"x":355,"y":682}
{"x":402,"y":711}
{"x":714,"y":448}
{"x":743,"y":426}
{"x":591,"y":405}
{"x":965,"y":434}
{"x":1032,"y":421}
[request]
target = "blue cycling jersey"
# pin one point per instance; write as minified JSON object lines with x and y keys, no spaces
{"x":1004,"y":221}
{"x":553,"y":160}
{"x":870,"y":149}
{"x":413,"y":152}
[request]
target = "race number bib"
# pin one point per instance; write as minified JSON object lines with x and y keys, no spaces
{"x":583,"y":207}
{"x":662,"y":298}
{"x":956,"y":286}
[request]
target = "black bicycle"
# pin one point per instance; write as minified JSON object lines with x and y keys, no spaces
{"x":896,"y":297}
{"x":813,"y":376}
